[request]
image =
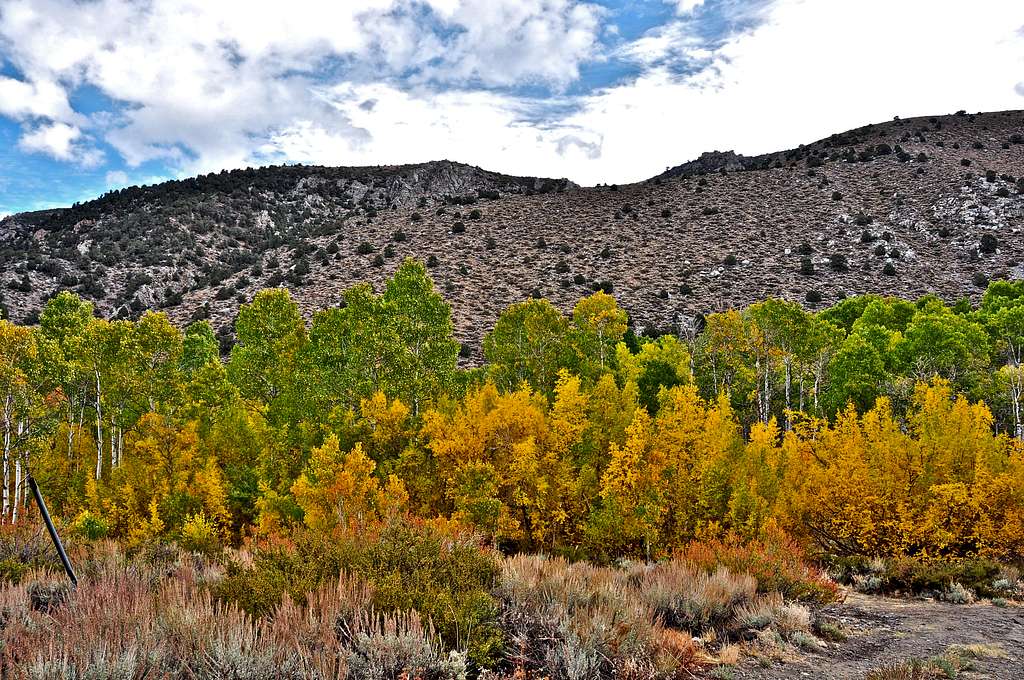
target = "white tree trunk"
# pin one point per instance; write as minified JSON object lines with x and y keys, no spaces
{"x":789,"y":383}
{"x":1016,"y":390}
{"x":8,"y":444}
{"x":18,"y":493}
{"x":99,"y":430}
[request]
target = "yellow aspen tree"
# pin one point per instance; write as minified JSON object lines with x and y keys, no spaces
{"x":999,"y":498}
{"x":599,"y":324}
{"x":505,"y":432}
{"x":388,"y":423}
{"x":339,"y":489}
{"x":568,"y":502}
{"x":679,"y":435}
{"x":631,"y":487}
{"x":611,"y":410}
{"x":833,"y":502}
{"x":721,"y":446}
{"x":756,"y":480}
{"x":951,"y":434}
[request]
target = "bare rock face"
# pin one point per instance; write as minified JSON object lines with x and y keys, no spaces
{"x":707,"y":162}
{"x":907,"y":207}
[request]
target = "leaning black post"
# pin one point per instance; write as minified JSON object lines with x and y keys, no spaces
{"x":53,"y":530}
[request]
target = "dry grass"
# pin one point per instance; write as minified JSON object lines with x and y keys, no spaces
{"x":153,"y":615}
{"x":135,"y":620}
{"x":695,"y":600}
{"x":578,"y":620}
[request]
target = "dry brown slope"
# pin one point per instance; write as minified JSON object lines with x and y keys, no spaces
{"x":662,"y":244}
{"x":930,"y":213}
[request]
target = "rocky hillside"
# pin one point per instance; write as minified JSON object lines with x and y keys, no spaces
{"x":905,"y":207}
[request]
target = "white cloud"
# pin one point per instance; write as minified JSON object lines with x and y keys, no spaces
{"x":685,"y":6}
{"x":207,"y":85}
{"x":61,"y":141}
{"x":789,"y":80}
{"x":480,"y":128}
{"x":506,"y":42}
{"x":44,"y":98}
{"x":54,"y":139}
{"x":676,"y":40}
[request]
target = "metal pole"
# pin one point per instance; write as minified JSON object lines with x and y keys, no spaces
{"x":53,"y":531}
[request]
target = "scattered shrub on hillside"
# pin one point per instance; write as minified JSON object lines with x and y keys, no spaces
{"x":988,"y":244}
{"x":838,"y":262}
{"x":364,"y":248}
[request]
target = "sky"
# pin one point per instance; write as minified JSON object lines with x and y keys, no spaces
{"x":101,"y":94}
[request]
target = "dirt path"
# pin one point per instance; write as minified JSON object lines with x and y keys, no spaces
{"x":883,"y":630}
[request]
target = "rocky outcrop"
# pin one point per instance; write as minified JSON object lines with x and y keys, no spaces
{"x":707,"y":162}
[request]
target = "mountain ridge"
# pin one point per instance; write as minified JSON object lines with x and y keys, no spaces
{"x":930,"y":204}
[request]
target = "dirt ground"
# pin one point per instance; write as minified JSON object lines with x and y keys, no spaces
{"x":882,"y":630}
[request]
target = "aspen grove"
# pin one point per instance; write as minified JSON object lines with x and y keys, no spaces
{"x":879,"y":426}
